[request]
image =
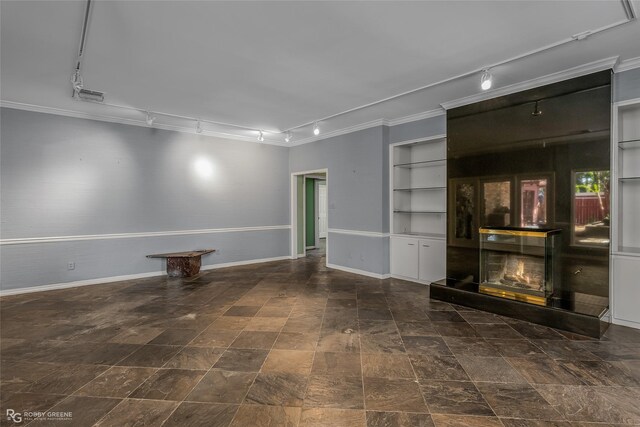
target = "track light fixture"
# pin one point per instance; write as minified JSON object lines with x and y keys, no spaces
{"x":260,"y":136}
{"x":76,"y":81}
{"x":150,"y":119}
{"x":287,"y":137}
{"x":199,"y":127}
{"x":316,"y":129}
{"x":486,"y":80}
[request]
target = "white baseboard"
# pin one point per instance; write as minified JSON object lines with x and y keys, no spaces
{"x":410,"y":279}
{"x":360,"y":272}
{"x":102,"y":280}
{"x":627,"y":323}
{"x":98,"y":281}
{"x":247,"y":262}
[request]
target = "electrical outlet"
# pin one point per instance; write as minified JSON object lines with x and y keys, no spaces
{"x":71,"y":266}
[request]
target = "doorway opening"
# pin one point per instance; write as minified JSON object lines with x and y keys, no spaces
{"x":309,"y":213}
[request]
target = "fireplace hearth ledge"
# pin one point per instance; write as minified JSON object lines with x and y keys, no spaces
{"x":454,"y":292}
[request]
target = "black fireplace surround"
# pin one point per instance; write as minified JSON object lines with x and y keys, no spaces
{"x":534,"y":160}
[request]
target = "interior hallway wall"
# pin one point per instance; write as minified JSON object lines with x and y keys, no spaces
{"x":358,"y":189}
{"x":72,"y":184}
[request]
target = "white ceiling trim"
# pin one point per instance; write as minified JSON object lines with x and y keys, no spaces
{"x":418,"y":116}
{"x":628,"y":64}
{"x":131,"y":122}
{"x":529,"y":84}
{"x":343,"y":131}
{"x":581,"y":70}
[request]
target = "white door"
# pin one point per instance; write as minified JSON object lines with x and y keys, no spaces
{"x":322,"y":210}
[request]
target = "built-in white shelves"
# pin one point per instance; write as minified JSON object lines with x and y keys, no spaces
{"x":627,"y":172}
{"x":628,"y":145}
{"x":419,"y":188}
{"x":421,"y":164}
{"x":625,"y":214}
{"x":418,"y":199}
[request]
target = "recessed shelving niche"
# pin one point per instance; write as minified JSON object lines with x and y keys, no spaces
{"x":419,"y":188}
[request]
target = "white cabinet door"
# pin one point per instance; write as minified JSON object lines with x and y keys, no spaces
{"x":432,"y":260}
{"x":626,"y":289}
{"x":404,"y":257}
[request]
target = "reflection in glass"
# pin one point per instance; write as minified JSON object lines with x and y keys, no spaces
{"x":591,"y":208}
{"x":533,"y":202}
{"x":497,"y":203}
{"x":464,"y":211}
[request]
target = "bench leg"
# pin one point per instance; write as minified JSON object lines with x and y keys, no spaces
{"x":183,"y":267}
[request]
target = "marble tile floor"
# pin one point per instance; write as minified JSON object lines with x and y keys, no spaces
{"x":292,"y":343}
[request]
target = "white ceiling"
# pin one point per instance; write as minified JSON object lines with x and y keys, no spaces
{"x":276,"y":65}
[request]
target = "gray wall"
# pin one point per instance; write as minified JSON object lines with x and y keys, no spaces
{"x":420,"y":129}
{"x":358,"y":188}
{"x":74,"y":177}
{"x":626,"y":85}
{"x":67,"y":177}
{"x":355,"y":186}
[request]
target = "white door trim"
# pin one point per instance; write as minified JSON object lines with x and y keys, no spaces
{"x":294,"y":214}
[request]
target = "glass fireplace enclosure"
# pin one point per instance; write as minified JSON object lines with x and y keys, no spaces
{"x":519,"y":263}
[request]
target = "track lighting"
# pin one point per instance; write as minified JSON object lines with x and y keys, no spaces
{"x":260,"y":136}
{"x":316,"y":129}
{"x":150,"y":119}
{"x":199,"y":127}
{"x":76,"y":81}
{"x":486,"y":80}
{"x":287,"y":137}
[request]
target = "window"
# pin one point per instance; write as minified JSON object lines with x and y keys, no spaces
{"x":591,"y":208}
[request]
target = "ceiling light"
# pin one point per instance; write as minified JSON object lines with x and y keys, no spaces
{"x":199,"y":127}
{"x":90,"y":95}
{"x":287,"y":137}
{"x":150,"y":119}
{"x":486,"y":80}
{"x":76,"y":81}
{"x":260,"y":136}
{"x":316,"y":129}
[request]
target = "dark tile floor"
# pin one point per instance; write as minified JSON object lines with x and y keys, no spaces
{"x":294,"y":344}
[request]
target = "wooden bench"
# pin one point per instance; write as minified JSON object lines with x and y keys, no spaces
{"x":183,"y":264}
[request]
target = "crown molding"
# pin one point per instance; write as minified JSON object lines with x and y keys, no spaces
{"x":343,"y":131}
{"x":578,"y":71}
{"x":132,"y":122}
{"x":416,"y":117}
{"x":628,"y":64}
{"x":581,"y":70}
